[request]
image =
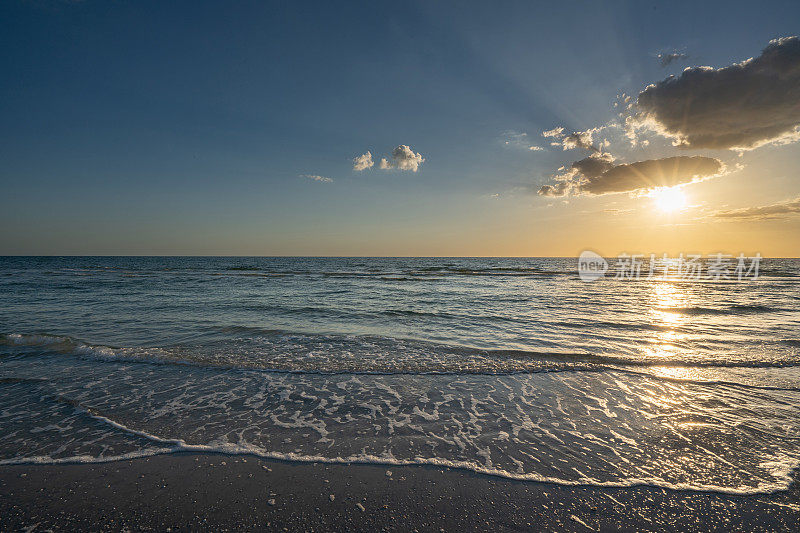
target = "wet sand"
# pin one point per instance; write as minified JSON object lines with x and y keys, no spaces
{"x":219,"y":492}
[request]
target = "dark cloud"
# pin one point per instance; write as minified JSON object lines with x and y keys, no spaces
{"x":667,"y":59}
{"x":653,"y":173}
{"x":598,"y":174}
{"x":777,"y":210}
{"x":740,"y":106}
{"x":594,"y":165}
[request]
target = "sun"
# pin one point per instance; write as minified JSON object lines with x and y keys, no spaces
{"x":669,"y":200}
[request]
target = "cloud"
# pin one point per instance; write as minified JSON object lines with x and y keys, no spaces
{"x":576,"y":139}
{"x":316,"y":177}
{"x":777,"y":210}
{"x":560,"y":188}
{"x":516,"y":138}
{"x":555,"y":132}
{"x":652,"y":173}
{"x":363,"y":162}
{"x":741,"y":106}
{"x":668,"y":58}
{"x":403,"y":158}
{"x":520,"y":140}
{"x":594,"y":165}
{"x":597,"y":174}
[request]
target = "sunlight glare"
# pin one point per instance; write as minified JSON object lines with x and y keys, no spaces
{"x":669,"y":200}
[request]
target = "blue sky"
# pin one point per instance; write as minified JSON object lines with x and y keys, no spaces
{"x":187,"y":127}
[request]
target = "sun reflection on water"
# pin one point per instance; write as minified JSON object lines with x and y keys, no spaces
{"x":666,"y":298}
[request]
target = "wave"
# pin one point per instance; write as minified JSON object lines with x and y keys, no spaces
{"x":608,"y":359}
{"x":582,"y":324}
{"x":65,"y":344}
{"x":306,"y":353}
{"x":411,"y":278}
{"x":706,"y":382}
{"x":498,"y":271}
{"x":784,"y":466}
{"x":775,"y":269}
{"x":736,"y":309}
{"x":24,"y":339}
{"x":15,"y":381}
{"x":195,"y":357}
{"x":308,"y":310}
{"x":368,"y":459}
{"x":428,"y":274}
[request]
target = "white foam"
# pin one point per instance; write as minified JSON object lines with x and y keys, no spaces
{"x":19,"y":339}
{"x":784,"y":465}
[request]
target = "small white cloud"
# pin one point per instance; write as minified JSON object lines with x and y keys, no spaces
{"x":363,"y":162}
{"x":403,"y":158}
{"x":316,"y":177}
{"x":555,"y":132}
{"x":576,"y":139}
{"x":517,"y":139}
{"x":667,"y":58}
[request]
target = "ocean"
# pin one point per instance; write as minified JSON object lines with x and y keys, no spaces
{"x":512,"y":367}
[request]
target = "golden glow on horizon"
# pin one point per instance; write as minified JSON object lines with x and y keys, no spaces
{"x":669,"y":200}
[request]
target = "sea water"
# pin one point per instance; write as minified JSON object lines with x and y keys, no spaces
{"x":513,"y":367}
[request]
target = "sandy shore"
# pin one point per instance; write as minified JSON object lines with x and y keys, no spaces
{"x":218,"y":492}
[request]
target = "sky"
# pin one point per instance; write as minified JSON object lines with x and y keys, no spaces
{"x":399,"y":129}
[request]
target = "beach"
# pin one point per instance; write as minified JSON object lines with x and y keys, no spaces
{"x":215,"y":492}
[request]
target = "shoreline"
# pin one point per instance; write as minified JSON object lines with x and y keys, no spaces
{"x":211,"y":491}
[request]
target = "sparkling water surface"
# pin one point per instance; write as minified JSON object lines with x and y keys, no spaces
{"x":513,"y":367}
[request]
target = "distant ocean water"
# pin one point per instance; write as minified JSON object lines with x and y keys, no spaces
{"x":512,"y":367}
